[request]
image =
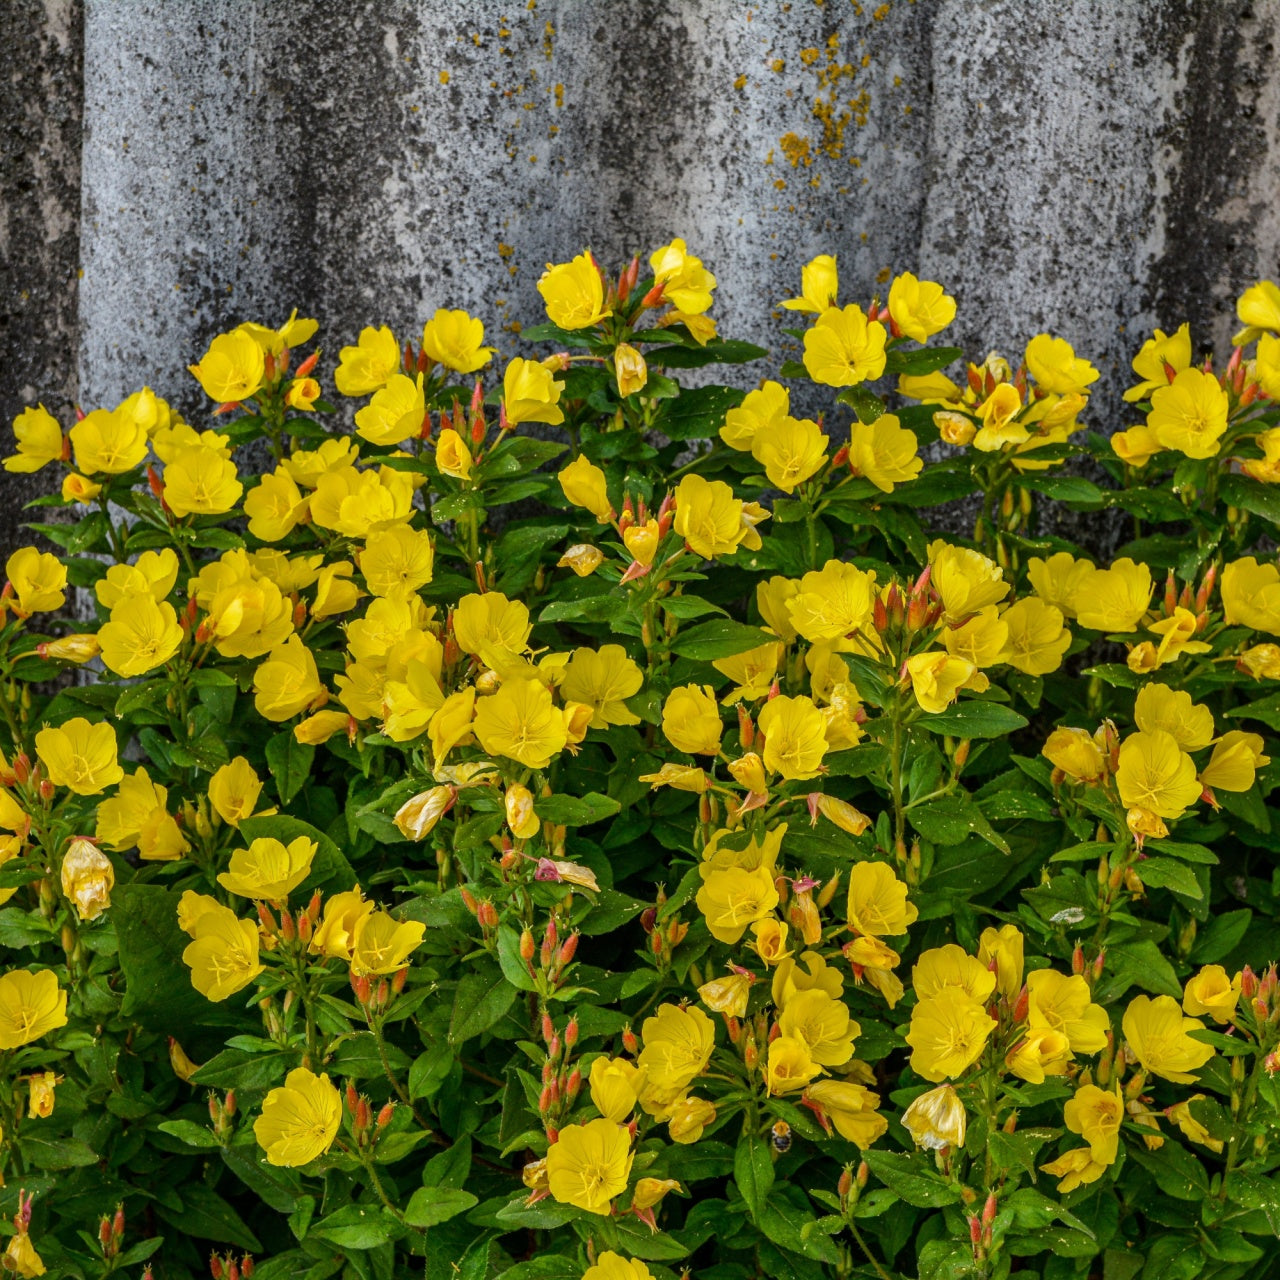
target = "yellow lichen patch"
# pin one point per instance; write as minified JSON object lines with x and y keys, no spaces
{"x":444,"y":77}
{"x":796,"y":149}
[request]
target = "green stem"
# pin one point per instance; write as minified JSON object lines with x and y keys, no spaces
{"x":870,"y":1257}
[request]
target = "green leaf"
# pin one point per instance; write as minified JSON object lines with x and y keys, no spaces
{"x":194,"y":1135}
{"x":866,"y":404}
{"x":207,"y":1216}
{"x":917,"y":363}
{"x":974,"y":720}
{"x":1250,"y":495}
{"x":908,"y":1177}
{"x":481,"y":1000}
{"x":290,"y":763}
{"x":1166,"y":873}
{"x":1066,"y":489}
{"x":429,"y":1206}
{"x":719,"y":638}
{"x":950,"y":820}
{"x":948,"y":1260}
{"x":697,"y":414}
{"x":753,"y":1171}
{"x":356,"y":1226}
{"x":1176,"y":1171}
{"x":1221,"y":936}
{"x":157,"y":985}
{"x":56,"y":1153}
{"x":576,"y":811}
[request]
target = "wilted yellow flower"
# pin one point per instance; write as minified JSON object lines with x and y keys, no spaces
{"x":844,"y":348}
{"x":31,"y":1005}
{"x":732,"y":898}
{"x":615,"y":1085}
{"x":419,"y":814}
{"x":1180,"y":1113}
{"x":1190,"y":414}
{"x":936,"y":678}
{"x":760,"y":412}
{"x":1156,"y":774}
{"x":20,"y":1257}
{"x":80,"y":756}
{"x":629,"y":369}
{"x":687,"y":1117}
{"x":727,"y":995}
{"x":456,"y":340}
{"x":1077,"y":753}
{"x":269,"y":869}
{"x":936,"y":1120}
{"x":1004,"y":946}
{"x":1163,"y":349}
{"x":87,"y":878}
{"x":953,"y":428}
{"x":1053,"y":363}
{"x":1158,"y":1034}
{"x":1114,"y":599}
{"x":885,"y":452}
{"x":795,"y":737}
{"x":851,"y":1108}
{"x":878,"y":905}
{"x":584,"y":486}
{"x":287,"y":683}
{"x":789,"y":1066}
{"x":1211,"y":991}
{"x":521,"y":722}
{"x":819,"y":284}
{"x":140,"y":636}
{"x":40,"y":1094}
{"x":1060,"y":1002}
{"x":920,"y":308}
{"x":321,"y":726}
{"x":791,"y":450}
{"x":81,"y":647}
{"x":299,"y":1119}
{"x":589,"y":1164}
{"x":573,"y":293}
{"x":1077,"y":1168}
{"x":1037,"y":638}
{"x":683,"y":777}
{"x":603,"y":679}
{"x":950,"y":972}
{"x":39,"y":439}
{"x":531,"y":394}
{"x":232,"y":369}
{"x":1261,"y":661}
{"x":582,"y":558}
{"x":947,"y":1036}
{"x":381,"y":944}
{"x":368,"y":365}
{"x":691,"y":720}
{"x":1237,"y":756}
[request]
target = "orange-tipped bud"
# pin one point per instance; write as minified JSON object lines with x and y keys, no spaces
{"x":384,"y":1116}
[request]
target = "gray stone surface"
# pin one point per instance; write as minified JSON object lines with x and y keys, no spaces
{"x":1091,"y":166}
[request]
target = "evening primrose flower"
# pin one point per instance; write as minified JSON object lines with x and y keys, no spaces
{"x":274,"y":507}
{"x":140,"y":636}
{"x":760,"y":412}
{"x":31,"y":1005}
{"x":395,"y":413}
{"x":299,"y":1119}
{"x":287,"y":683}
{"x":1004,"y":946}
{"x":589,"y":1164}
{"x":1237,"y":756}
{"x":1251,"y":595}
{"x":613,"y":1266}
{"x":1190,"y":414}
{"x":491,"y":626}
{"x":1173,"y":350}
{"x":396,"y":562}
{"x":1258,"y":308}
{"x":1040,"y":1053}
{"x":795,"y":737}
{"x":1156,"y":774}
{"x":920,"y":308}
{"x":1158,"y":1035}
{"x":789,"y":1066}
{"x":1077,"y":1168}
{"x":1181,"y":1114}
{"x":732,"y":899}
{"x":302,"y":394}
{"x":708,"y":516}
{"x":453,"y":458}
{"x":1060,"y":1002}
{"x":752,"y":672}
{"x":687,"y":1118}
{"x":80,"y":756}
{"x":691,"y":720}
{"x":629,"y":369}
{"x":41,"y":1095}
{"x":1058,"y":580}
{"x":844,"y":348}
{"x":223,"y":952}
{"x":792,"y":450}
{"x":234,"y":790}
{"x":232,"y":369}
{"x":200,"y":482}
{"x":819,"y":285}
{"x":369,"y":364}
{"x":269,"y":869}
{"x":677,"y":1047}
{"x":1096,"y":1115}
{"x":603,"y":679}
{"x":727,"y":995}
{"x":615,"y":1086}
{"x":950,"y":971}
{"x":531,"y":394}
{"x":1001,"y":426}
{"x":573,"y":293}
{"x":884,"y":452}
{"x":878,"y":905}
{"x":87,"y":878}
{"x":1157,"y":706}
{"x":76,"y":488}
{"x":947,"y":1036}
{"x":108,"y":443}
{"x":851,"y":1109}
{"x":138,"y":815}
{"x":39,"y":439}
{"x":1056,"y":368}
{"x":1114,"y":599}
{"x":823,"y":1023}
{"x":1037,"y":638}
{"x":1136,"y":447}
{"x":965,"y":580}
{"x":521,"y":722}
{"x":1211,"y":991}
{"x":381,"y":944}
{"x":153,"y":573}
{"x":343,"y":914}
{"x":38,"y":579}
{"x":584,"y":486}
{"x":936,"y":1120}
{"x":686,"y":284}
{"x":832,"y":602}
{"x":584,"y":559}
{"x":981,"y":640}
{"x":937,"y":677}
{"x":456,"y":340}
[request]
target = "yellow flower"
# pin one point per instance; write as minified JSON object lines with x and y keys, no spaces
{"x":842,"y":814}
{"x":936,"y":678}
{"x":920,"y":308}
{"x":573,"y":293}
{"x":981,"y":640}
{"x":521,"y":722}
{"x":1060,"y":1002}
{"x":1057,"y":580}
{"x":20,"y":1257}
{"x":1077,"y":1168}
{"x":1173,"y":350}
{"x":293,"y":333}
{"x":343,"y":914}
{"x":589,"y":1164}
{"x":1267,"y":468}
{"x":1251,"y":595}
{"x":302,"y":394}
{"x":232,"y":369}
{"x":80,"y":756}
{"x":274,"y":507}
{"x":708,"y":517}
{"x":154,"y":573}
{"x":687,"y":284}
{"x":200,"y":482}
{"x":795,"y":737}
{"x":1054,"y":365}
{"x":851,"y":1108}
{"x":395,"y":413}
{"x":1156,"y":774}
{"x":727,"y":995}
{"x":1004,"y":946}
{"x":885,"y":452}
{"x":965,"y":580}
{"x":1114,"y":599}
{"x":1037,"y":638}
{"x":1190,"y":414}
{"x":878,"y":905}
{"x":929,"y":388}
{"x":936,"y":1120}
{"x":1158,"y":1034}
{"x":234,"y":790}
{"x":288,"y":682}
{"x":1237,"y":756}
{"x":456,"y":340}
{"x":603,"y":679}
{"x":335,"y":592}
{"x":87,"y":878}
{"x":823,"y":1024}
{"x":140,"y":636}
{"x":832,"y":602}
{"x":791,"y":450}
{"x":947,"y":1037}
{"x":1211,"y":991}
{"x":612,"y":1266}
{"x":368,"y":365}
{"x":138,"y":815}
{"x":1261,"y":661}
{"x":584,"y":486}
{"x":1041,"y":1052}
{"x":39,"y":440}
{"x":38,"y":579}
{"x":453,"y":458}
{"x":615,"y":1086}
{"x":1137,"y":447}
{"x":223,"y":953}
{"x":1258,"y":308}
{"x":77,"y":648}
{"x":492,"y":627}
{"x":451,"y":725}
{"x":770,"y":940}
{"x":844,"y":348}
{"x":299,"y":1119}
{"x":1159,"y":707}
{"x":760,"y":412}
{"x":531,"y":394}
{"x":1000,"y":424}
{"x":31,"y":1005}
{"x":731,"y":899}
{"x":677,"y":1047}
{"x":629,"y":369}
{"x":1177,"y":636}
{"x":381,"y":944}
{"x":949,"y":972}
{"x":691,"y":720}
{"x":75,"y":488}
{"x":1180,"y":1113}
{"x":752,"y":672}
{"x":584,"y":559}
{"x":819,"y":284}
{"x":269,"y":869}
{"x":789,"y":1068}
{"x":1096,"y":1115}
{"x":106,"y":442}
{"x":40,"y":1094}
{"x":416,"y":818}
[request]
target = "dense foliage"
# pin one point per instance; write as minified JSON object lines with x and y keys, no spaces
{"x":645,"y":843}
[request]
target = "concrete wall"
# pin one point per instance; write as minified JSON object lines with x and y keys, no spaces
{"x":1090,"y":166}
